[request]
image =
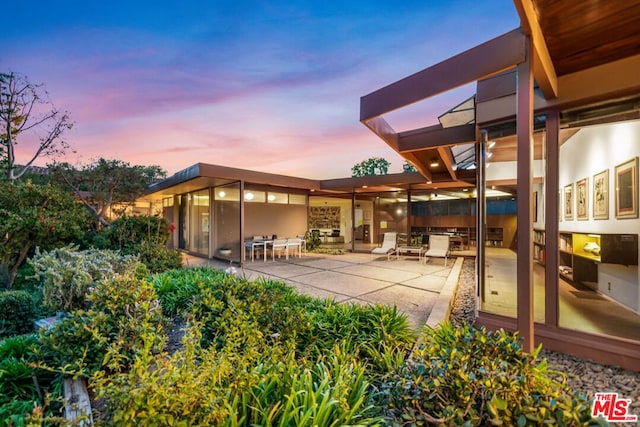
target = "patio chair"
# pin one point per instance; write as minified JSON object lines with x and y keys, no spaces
{"x":438,"y":247}
{"x":296,"y":245}
{"x":254,"y":246}
{"x":388,"y":245}
{"x":279,"y":245}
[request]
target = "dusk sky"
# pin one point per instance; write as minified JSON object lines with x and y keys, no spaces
{"x":272,"y":86}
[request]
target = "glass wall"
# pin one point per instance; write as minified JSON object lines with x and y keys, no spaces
{"x":330,"y":217}
{"x":199,"y":222}
{"x":498,"y":289}
{"x":226,"y":241}
{"x":598,"y":224}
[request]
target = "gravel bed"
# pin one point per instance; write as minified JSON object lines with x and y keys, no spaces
{"x":583,"y":375}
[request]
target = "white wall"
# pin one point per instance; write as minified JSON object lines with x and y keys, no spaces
{"x":588,"y":152}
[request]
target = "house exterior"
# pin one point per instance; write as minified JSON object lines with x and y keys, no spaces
{"x":537,"y":175}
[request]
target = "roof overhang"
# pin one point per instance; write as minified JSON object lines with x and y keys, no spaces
{"x":422,"y":146}
{"x":582,"y":51}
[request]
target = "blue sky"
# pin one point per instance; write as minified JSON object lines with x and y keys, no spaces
{"x":273,"y":86}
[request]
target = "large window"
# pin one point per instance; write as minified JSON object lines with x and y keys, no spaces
{"x":227,"y":221}
{"x":598,"y":226}
{"x":199,"y":222}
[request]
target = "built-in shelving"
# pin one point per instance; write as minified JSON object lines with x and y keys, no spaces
{"x":580,"y":254}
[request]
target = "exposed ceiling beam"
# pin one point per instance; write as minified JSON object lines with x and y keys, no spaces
{"x":435,"y":136}
{"x":543,"y":68}
{"x":449,"y":161}
{"x":420,"y":166}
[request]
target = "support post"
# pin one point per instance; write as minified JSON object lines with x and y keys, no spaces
{"x":524,"y":127}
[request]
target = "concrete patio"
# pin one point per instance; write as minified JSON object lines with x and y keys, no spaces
{"x":423,"y":291}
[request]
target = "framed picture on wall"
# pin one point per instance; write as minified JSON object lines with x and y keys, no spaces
{"x":559,"y":205}
{"x":601,"y":195}
{"x":568,"y":202}
{"x":582,"y":199}
{"x":627,"y":189}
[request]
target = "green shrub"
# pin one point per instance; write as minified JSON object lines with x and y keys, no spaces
{"x":158,"y":258}
{"x":144,"y":236}
{"x":122,"y":311}
{"x":474,"y":377}
{"x":17,"y":313}
{"x":245,"y":382}
{"x":67,"y":274}
{"x":35,"y":216}
{"x":22,"y":387}
{"x":128,"y":232}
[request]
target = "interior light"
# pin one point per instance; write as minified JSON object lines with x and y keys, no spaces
{"x":465,"y":189}
{"x":248,"y":196}
{"x":434,"y":163}
{"x":491,"y":144}
{"x":365,"y":186}
{"x":399,"y":211}
{"x":221,"y":194}
{"x":489,"y":155}
{"x":429,"y":182}
{"x":271,"y":197}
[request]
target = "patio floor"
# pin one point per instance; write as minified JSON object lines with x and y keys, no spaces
{"x":422,"y":291}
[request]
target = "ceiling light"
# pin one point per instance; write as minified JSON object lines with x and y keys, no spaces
{"x":489,"y":155}
{"x":434,"y":163}
{"x":221,"y":194}
{"x":271,"y":197}
{"x":248,"y":196}
{"x":365,"y":186}
{"x":491,"y":145}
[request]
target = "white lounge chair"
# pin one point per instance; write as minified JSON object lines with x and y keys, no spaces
{"x":438,"y":247}
{"x":388,"y":245}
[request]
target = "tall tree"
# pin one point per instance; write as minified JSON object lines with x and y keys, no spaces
{"x":408,"y":167}
{"x":34,"y":215}
{"x":106,"y":187}
{"x":371,"y":166}
{"x":26,"y":108}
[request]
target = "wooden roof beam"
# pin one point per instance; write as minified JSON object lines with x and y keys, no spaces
{"x":543,"y":68}
{"x":435,"y":136}
{"x":494,"y":56}
{"x":449,"y":161}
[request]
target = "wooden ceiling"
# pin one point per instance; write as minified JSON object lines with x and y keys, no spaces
{"x":581,"y":34}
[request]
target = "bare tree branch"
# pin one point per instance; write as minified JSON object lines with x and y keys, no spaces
{"x":26,"y":107}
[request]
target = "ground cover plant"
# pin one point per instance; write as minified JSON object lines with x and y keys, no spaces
{"x":259,"y":353}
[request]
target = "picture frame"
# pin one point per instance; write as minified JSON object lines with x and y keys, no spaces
{"x":568,"y":202}
{"x":626,"y":185}
{"x":582,"y":199}
{"x":560,"y":205}
{"x":601,"y":195}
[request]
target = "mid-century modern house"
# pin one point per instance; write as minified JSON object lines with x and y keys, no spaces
{"x":537,"y":174}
